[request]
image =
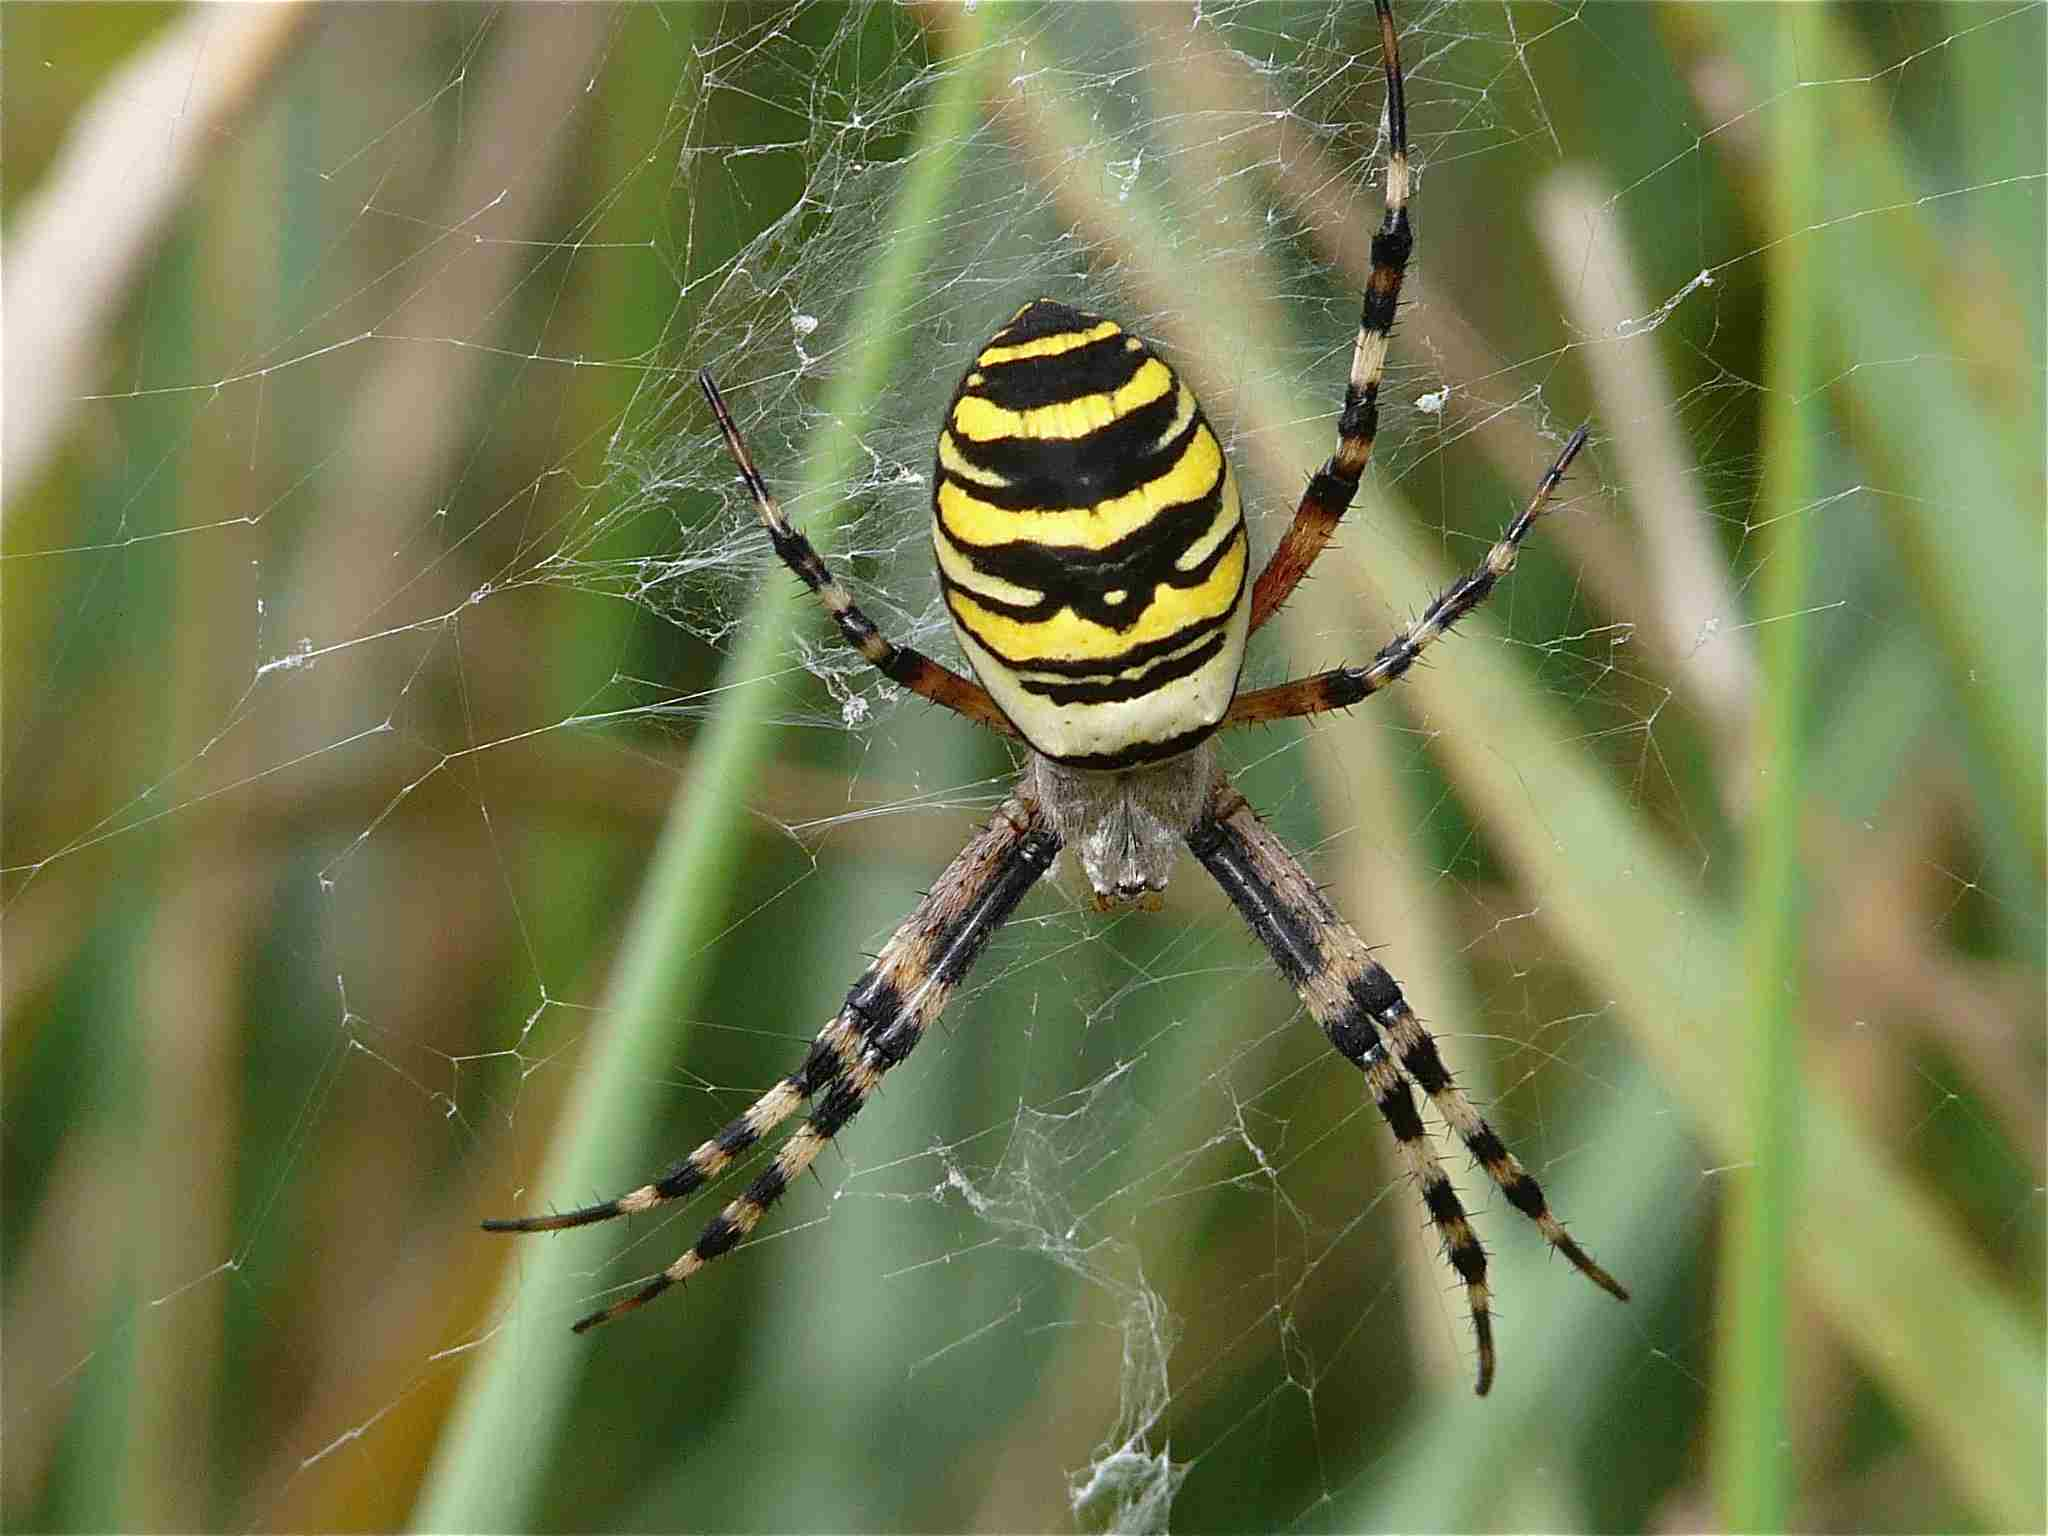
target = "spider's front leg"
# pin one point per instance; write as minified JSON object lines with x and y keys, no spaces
{"x":1345,"y":686}
{"x":1331,"y":488}
{"x":1369,"y":1022}
{"x":899,"y":663}
{"x":884,"y":1017}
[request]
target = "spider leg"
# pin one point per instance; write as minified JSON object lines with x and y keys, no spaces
{"x":835,"y":1052}
{"x":1331,"y":488}
{"x":885,"y":1015}
{"x":899,"y":663}
{"x":1362,"y":1011}
{"x":1345,"y":686}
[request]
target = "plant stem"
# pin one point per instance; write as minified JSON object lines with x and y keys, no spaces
{"x":1755,"y":1463}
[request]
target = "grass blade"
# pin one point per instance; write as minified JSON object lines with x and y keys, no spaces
{"x":502,"y":1436}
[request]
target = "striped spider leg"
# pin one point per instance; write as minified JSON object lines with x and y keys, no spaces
{"x":884,"y":1016}
{"x":1342,"y":687}
{"x":1369,"y":1022}
{"x":1358,"y":1004}
{"x":899,"y":663}
{"x":1331,"y":488}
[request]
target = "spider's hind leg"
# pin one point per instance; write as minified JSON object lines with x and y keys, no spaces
{"x":885,"y":1015}
{"x":1361,"y":1009}
{"x":832,"y":1054}
{"x":1421,"y":1060}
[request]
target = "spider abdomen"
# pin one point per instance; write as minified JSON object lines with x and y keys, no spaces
{"x":1090,"y":541}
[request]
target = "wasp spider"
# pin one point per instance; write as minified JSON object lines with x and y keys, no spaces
{"x":1092,"y":552}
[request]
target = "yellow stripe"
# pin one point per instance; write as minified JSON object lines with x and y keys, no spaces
{"x":1229,"y":515}
{"x":1066,"y":636}
{"x":970,"y":520}
{"x":953,"y":462}
{"x":981,"y":421}
{"x":1046,"y":346}
{"x":1183,"y":413}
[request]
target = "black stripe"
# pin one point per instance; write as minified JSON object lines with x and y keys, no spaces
{"x":736,"y":1137}
{"x":1353,"y":1036}
{"x":1525,"y":1195}
{"x":1287,"y":933}
{"x":1124,"y":690}
{"x":768,"y":1186}
{"x":1027,"y":383}
{"x":1487,"y":1146}
{"x":1375,"y":991}
{"x":682,"y":1178}
{"x":720,"y":1235}
{"x":1144,"y":557}
{"x":1183,"y":515}
{"x":1139,"y":753}
{"x":841,"y":1104}
{"x":1463,"y":595}
{"x":1426,"y":1067}
{"x":1137,"y":566}
{"x":1360,"y":420}
{"x":1040,"y":318}
{"x":1392,"y":244}
{"x":1062,"y":473}
{"x":1469,"y":1260}
{"x":821,"y":1066}
{"x":639,"y":1298}
{"x":1442,"y":1200}
{"x":875,"y":1001}
{"x":957,"y":945}
{"x":1397,"y":1105}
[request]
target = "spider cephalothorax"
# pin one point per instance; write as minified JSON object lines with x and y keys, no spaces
{"x":1092,"y":552}
{"x":1126,"y":829}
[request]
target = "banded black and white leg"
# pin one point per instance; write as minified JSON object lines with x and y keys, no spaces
{"x":884,"y":1016}
{"x":1362,"y":1012}
{"x":1332,"y":487}
{"x":1342,"y":687}
{"x":899,"y":663}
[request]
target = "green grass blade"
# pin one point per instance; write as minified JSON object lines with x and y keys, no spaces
{"x":1755,"y":1463}
{"x":502,"y":1436}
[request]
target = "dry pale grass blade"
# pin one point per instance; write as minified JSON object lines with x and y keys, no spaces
{"x":1688,"y":599}
{"x":79,"y":242}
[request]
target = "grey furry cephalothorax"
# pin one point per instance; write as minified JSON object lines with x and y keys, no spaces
{"x":1127,"y":828}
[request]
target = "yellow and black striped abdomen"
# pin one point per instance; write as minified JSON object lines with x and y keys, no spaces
{"x":1090,"y":541}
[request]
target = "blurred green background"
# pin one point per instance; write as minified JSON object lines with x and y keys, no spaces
{"x":424,"y":799}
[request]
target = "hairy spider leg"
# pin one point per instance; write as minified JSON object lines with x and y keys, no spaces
{"x":899,"y":663}
{"x":833,"y":1054}
{"x":1359,"y":1005}
{"x":1331,"y":488}
{"x":1345,"y":686}
{"x":885,"y":1015}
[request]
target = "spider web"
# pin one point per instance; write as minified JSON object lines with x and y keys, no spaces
{"x":367,"y":609}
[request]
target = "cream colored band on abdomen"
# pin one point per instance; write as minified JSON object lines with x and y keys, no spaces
{"x":1184,"y":706}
